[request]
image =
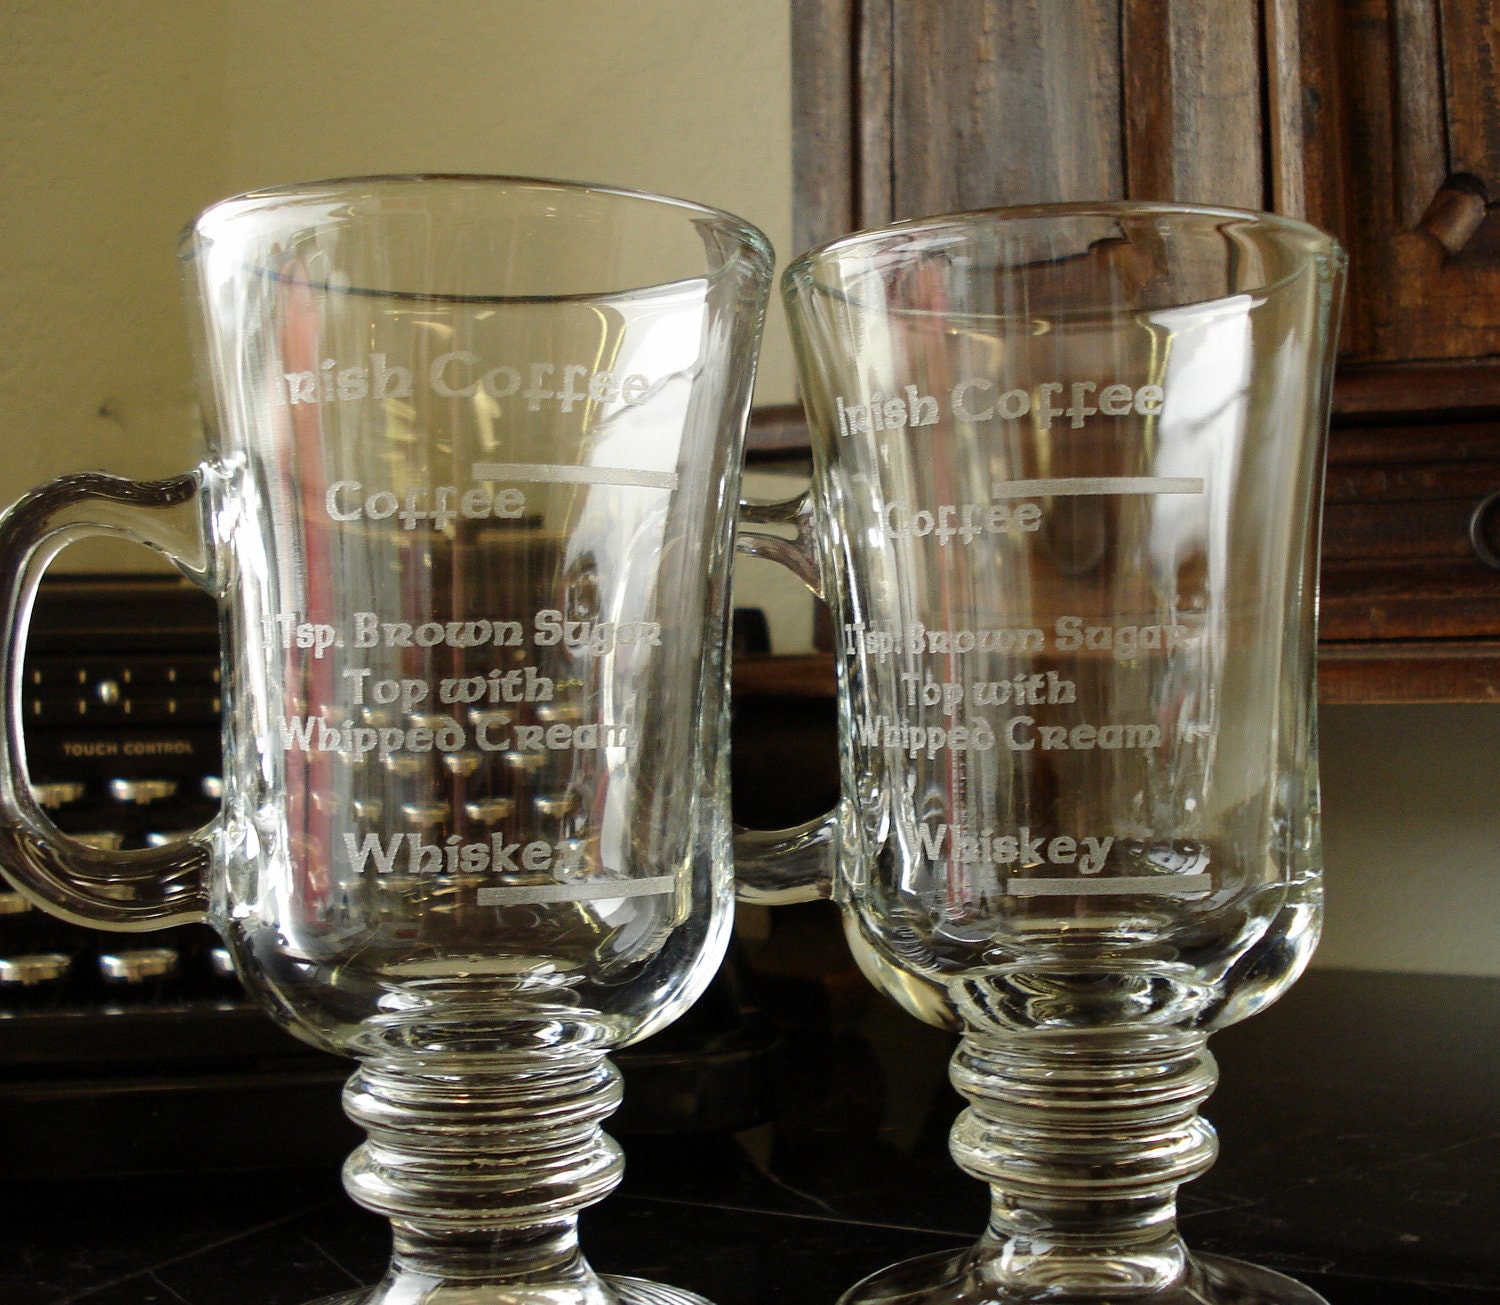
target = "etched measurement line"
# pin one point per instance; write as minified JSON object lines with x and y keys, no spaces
{"x":548,"y":473}
{"x":1077,"y":486}
{"x":592,"y":890}
{"x":1113,"y":885}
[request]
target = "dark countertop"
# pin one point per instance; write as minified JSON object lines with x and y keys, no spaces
{"x":1359,"y":1120}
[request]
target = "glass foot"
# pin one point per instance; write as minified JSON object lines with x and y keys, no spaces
{"x":618,"y":1290}
{"x":959,"y":1278}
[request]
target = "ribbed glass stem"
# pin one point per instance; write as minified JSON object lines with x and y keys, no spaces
{"x":1084,"y":1139}
{"x":482,"y":1163}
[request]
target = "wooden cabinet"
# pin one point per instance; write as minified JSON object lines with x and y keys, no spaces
{"x":1378,"y":120}
{"x":1393,"y":144}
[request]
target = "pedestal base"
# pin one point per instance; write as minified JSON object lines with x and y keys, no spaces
{"x":617,"y":1290}
{"x":958,"y":1278}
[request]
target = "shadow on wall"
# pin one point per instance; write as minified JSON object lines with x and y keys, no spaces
{"x":1411,"y":805}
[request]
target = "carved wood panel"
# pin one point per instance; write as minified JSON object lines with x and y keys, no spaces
{"x":1397,"y":150}
{"x":1378,"y":120}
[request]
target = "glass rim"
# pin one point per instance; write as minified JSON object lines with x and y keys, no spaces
{"x":752,"y":243}
{"x":802,"y":269}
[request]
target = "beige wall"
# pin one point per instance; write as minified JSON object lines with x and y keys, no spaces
{"x":1411,"y":801}
{"x":119,"y":119}
{"x":111,"y":134}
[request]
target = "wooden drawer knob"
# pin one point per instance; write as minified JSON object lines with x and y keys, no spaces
{"x":1456,"y":211}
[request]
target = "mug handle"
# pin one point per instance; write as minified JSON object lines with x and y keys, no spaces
{"x":128,"y":891}
{"x":773,"y":867}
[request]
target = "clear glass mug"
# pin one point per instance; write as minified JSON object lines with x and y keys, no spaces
{"x":1065,"y":506}
{"x":468,"y":511}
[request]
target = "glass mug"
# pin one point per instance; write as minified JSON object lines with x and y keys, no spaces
{"x":1067,"y":476}
{"x":468,"y":514}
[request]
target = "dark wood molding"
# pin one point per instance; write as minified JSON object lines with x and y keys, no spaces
{"x":1348,"y":673}
{"x":1455,"y":391}
{"x":823,"y":90}
{"x":777,"y":431}
{"x":800,"y":675}
{"x":1401,"y":389}
{"x":1449,"y":670}
{"x":871,"y":164}
{"x":1192,"y":103}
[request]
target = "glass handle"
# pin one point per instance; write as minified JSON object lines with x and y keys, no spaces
{"x":134,"y":890}
{"x":798,"y":554}
{"x":774,"y":867}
